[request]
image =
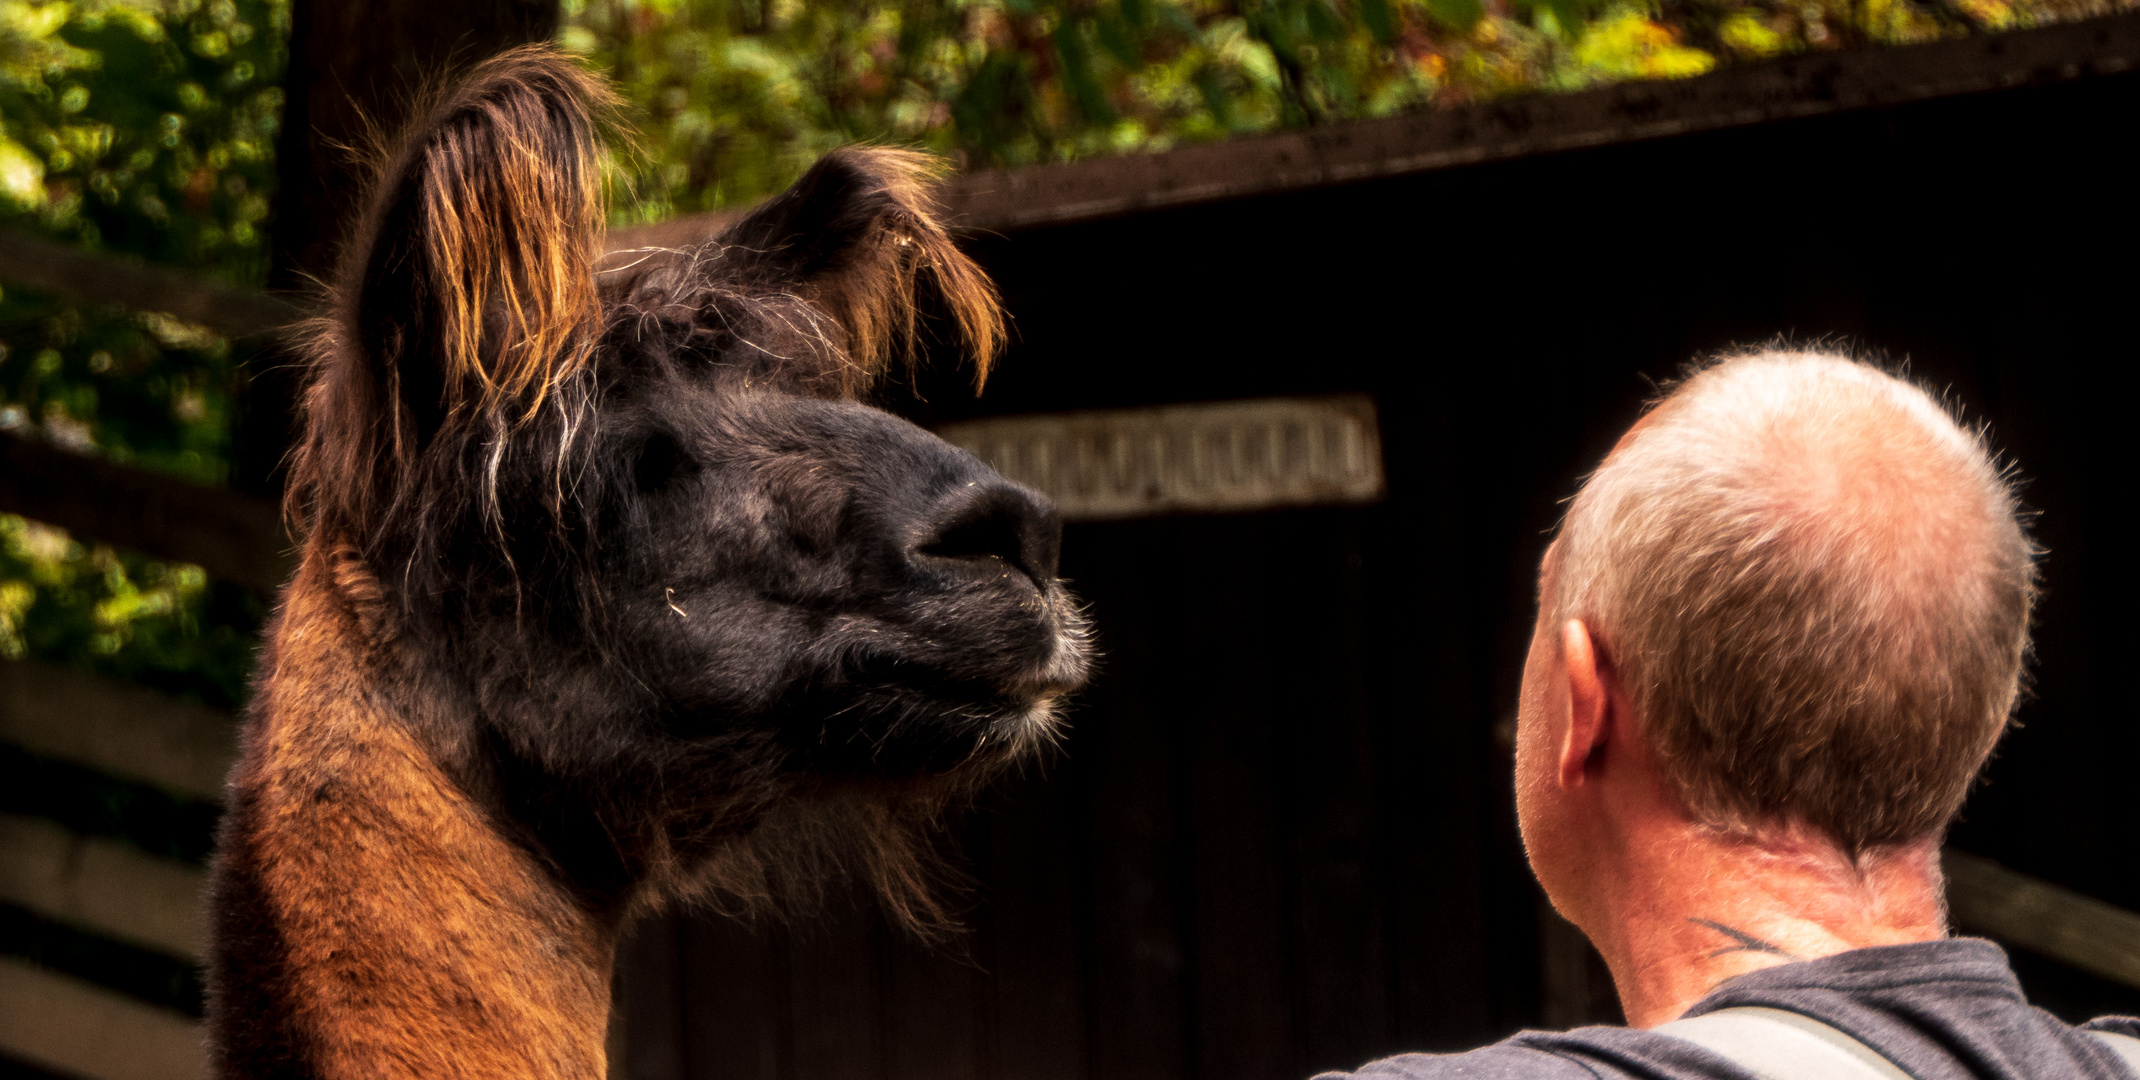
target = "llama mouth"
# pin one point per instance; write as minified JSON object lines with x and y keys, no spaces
{"x":1034,"y":720}
{"x":893,"y":714}
{"x":1069,"y":662}
{"x":1020,"y":735}
{"x":928,"y":726}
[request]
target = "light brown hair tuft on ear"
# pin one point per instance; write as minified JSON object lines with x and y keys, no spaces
{"x":876,"y":297}
{"x":467,"y":298}
{"x":510,"y":183}
{"x":861,"y":237}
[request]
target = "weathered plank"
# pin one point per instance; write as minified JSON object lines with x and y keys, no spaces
{"x":81,"y":1029}
{"x":935,"y":1022}
{"x":2013,"y":907}
{"x":734,"y":1002}
{"x":232,"y":536}
{"x":646,"y":1017}
{"x":1037,"y":1020}
{"x":1236,"y":673}
{"x":836,"y":997}
{"x":34,"y":263}
{"x":103,"y":886}
{"x":117,"y":729}
{"x":1430,"y":139}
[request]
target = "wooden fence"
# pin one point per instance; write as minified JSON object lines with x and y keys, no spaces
{"x":103,"y":886}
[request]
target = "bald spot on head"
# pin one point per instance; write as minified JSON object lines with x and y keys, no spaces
{"x":1815,"y":586}
{"x":1863,"y":469}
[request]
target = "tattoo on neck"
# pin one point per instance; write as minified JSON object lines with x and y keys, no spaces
{"x":1745,"y":942}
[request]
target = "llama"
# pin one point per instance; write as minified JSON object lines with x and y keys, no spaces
{"x":613,"y":593}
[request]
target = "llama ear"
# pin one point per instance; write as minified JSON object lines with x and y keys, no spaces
{"x":472,"y":288}
{"x":860,"y":236}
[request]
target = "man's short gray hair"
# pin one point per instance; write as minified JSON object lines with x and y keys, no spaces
{"x":1815,"y":587}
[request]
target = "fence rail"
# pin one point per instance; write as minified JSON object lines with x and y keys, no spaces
{"x":103,"y":886}
{"x":2096,"y":937}
{"x":81,"y":1029}
{"x":232,"y":536}
{"x":117,"y":729}
{"x":31,"y":262}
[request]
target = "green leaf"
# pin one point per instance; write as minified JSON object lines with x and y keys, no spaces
{"x":22,"y":175}
{"x":1457,"y":14}
{"x":1213,"y":89}
{"x":1379,"y":20}
{"x":1323,"y":23}
{"x":1569,"y":15}
{"x":1119,"y":38}
{"x":1077,"y":74}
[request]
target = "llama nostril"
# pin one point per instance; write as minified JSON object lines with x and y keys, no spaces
{"x":996,"y":525}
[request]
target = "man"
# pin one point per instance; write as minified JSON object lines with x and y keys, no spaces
{"x":1780,"y":631}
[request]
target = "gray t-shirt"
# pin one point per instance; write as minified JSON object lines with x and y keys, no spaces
{"x":1942,"y":1010}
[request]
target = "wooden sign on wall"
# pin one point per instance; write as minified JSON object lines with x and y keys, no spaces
{"x":1224,"y":456}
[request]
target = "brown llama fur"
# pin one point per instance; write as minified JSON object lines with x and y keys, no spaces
{"x":613,"y":594}
{"x":488,"y":970}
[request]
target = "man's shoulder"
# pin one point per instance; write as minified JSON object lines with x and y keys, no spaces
{"x":2115,"y":1025}
{"x":1937,"y":1009}
{"x":1505,"y":1060}
{"x":1587,"y":1053}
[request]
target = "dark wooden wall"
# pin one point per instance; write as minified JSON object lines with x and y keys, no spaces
{"x":1280,"y":836}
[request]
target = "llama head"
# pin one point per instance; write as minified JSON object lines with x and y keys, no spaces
{"x":664,"y":577}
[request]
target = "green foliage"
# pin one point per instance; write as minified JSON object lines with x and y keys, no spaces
{"x":142,"y":127}
{"x":736,"y":97}
{"x":134,"y":618}
{"x":141,"y":388}
{"x":149,"y":125}
{"x":148,"y":128}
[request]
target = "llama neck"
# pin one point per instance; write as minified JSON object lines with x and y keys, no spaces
{"x":373,"y":921}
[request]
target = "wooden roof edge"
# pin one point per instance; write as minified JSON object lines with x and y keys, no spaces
{"x":1810,"y":84}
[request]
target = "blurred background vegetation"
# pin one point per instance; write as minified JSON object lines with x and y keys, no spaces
{"x":148,"y":128}
{"x":735,"y":97}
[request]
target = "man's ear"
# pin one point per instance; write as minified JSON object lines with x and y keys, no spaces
{"x":471,"y":285}
{"x":1590,"y":704}
{"x":860,"y":237}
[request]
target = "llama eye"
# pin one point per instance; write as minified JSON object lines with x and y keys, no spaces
{"x":660,"y":461}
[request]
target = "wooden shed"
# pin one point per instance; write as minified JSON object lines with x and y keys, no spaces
{"x":1279,"y":837}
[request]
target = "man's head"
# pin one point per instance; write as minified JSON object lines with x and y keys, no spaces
{"x":1805,"y":588}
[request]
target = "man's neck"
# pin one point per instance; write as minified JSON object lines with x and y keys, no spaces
{"x":1696,"y":907}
